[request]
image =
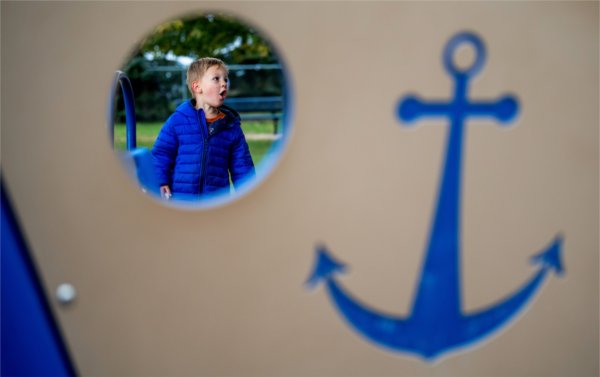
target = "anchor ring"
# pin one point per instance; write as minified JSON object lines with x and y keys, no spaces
{"x":454,"y":43}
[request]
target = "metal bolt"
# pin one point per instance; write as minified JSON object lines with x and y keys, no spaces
{"x":66,"y":293}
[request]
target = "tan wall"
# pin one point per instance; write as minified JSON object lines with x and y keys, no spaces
{"x":220,"y":292}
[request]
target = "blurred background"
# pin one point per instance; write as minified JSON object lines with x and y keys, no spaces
{"x":157,"y":70}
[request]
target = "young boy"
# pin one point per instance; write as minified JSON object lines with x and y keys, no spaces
{"x":202,"y":143}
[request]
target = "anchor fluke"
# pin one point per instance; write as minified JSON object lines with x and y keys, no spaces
{"x":551,"y":257}
{"x":325,"y":266}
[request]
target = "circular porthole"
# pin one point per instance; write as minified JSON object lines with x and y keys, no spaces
{"x":200,"y":111}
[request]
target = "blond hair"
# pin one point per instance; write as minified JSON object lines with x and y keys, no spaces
{"x":198,"y":68}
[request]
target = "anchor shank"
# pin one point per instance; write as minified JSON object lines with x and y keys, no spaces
{"x":438,"y":294}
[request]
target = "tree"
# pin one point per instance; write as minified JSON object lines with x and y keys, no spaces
{"x":155,"y":95}
{"x":158,"y":90}
{"x":213,"y":35}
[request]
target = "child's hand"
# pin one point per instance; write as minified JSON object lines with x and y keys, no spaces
{"x":165,"y":192}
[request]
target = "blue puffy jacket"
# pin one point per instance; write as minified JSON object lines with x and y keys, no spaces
{"x":194,"y":159}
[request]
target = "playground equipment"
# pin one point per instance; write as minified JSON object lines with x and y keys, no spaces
{"x":32,"y":343}
{"x":137,"y":161}
{"x":163,"y":291}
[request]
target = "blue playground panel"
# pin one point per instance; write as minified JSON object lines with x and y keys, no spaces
{"x":31,"y":341}
{"x":137,"y":160}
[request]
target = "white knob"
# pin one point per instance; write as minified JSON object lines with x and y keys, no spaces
{"x":66,"y":293}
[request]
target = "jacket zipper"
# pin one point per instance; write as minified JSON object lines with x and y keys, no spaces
{"x":203,"y":131}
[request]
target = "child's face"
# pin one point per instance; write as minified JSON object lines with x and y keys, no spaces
{"x":211,"y":89}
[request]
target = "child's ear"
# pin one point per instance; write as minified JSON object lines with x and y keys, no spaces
{"x":196,"y":87}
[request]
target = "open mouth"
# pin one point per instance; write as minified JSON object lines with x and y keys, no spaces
{"x":223,"y":94}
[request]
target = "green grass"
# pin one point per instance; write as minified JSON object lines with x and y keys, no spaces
{"x":258,"y":127}
{"x":258,"y":149}
{"x":147,"y":132}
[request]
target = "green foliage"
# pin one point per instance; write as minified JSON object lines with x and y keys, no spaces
{"x":155,"y":95}
{"x":256,"y":83}
{"x":159,"y":81}
{"x":219,"y":36}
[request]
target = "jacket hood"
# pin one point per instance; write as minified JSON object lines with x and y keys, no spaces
{"x":188,"y":109}
{"x":232,"y":118}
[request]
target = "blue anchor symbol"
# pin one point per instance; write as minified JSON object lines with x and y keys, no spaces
{"x":436,"y":324}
